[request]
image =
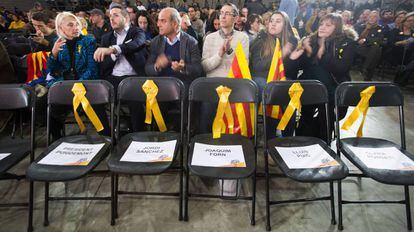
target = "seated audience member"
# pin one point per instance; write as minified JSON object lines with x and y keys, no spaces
{"x":132,"y":11}
{"x":72,"y":59}
{"x":252,"y":27}
{"x":122,"y":54}
{"x":147,"y":24}
{"x":84,"y":25}
{"x":3,"y":25}
{"x":240,"y":23}
{"x":213,"y":23}
{"x":196,"y":22}
{"x":17,"y":23}
{"x":261,"y":54}
{"x":387,"y":18}
{"x":327,"y":56}
{"x":186,"y":26}
{"x":45,"y":36}
{"x":404,"y":46}
{"x":399,"y":16}
{"x":363,"y":17}
{"x":347,"y":17}
{"x":173,"y":52}
{"x":313,"y":22}
{"x":99,"y":25}
{"x":371,"y":40}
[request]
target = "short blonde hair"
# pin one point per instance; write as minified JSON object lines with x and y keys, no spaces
{"x":59,"y":20}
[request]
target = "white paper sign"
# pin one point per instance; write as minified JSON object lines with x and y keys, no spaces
{"x":313,"y":156}
{"x":4,"y":155}
{"x":218,"y":156}
{"x":150,"y":151}
{"x":383,"y":158}
{"x":72,"y":154}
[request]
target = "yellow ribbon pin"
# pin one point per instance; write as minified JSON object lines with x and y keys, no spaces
{"x":79,"y":97}
{"x":362,"y":107}
{"x":223,"y":107}
{"x":152,"y":107}
{"x":295,"y":93}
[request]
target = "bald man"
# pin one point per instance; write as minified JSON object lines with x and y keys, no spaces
{"x":173,"y":52}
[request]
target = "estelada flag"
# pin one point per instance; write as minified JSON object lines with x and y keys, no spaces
{"x":243,"y":113}
{"x":36,"y":63}
{"x":276,"y":73}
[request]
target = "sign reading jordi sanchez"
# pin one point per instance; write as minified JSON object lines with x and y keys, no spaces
{"x":150,"y":151}
{"x":218,"y":156}
{"x":72,"y":154}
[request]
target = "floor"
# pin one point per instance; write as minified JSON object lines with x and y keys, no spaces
{"x":161,"y":213}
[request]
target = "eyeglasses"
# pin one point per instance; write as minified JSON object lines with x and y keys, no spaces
{"x":222,"y":13}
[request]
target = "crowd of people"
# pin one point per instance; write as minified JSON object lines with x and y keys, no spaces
{"x":320,"y":40}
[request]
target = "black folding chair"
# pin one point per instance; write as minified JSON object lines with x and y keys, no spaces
{"x":389,"y":95}
{"x":60,"y":94}
{"x":277,"y":93}
{"x":204,"y":90}
{"x":16,"y":98}
{"x":170,"y":90}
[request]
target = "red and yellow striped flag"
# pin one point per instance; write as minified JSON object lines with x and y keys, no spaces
{"x":276,"y":73}
{"x":243,"y":113}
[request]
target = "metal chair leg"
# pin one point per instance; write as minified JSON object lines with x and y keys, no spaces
{"x":30,"y":221}
{"x":268,"y":227}
{"x":253,"y":218}
{"x":46,"y":211}
{"x":180,"y":210}
{"x":407,"y":206}
{"x":187,"y":183}
{"x":333,"y":217}
{"x":340,"y":225}
{"x":116,"y":196}
{"x":113,"y":199}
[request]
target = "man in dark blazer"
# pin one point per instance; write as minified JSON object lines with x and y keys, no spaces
{"x":173,"y":52}
{"x":123,"y":54}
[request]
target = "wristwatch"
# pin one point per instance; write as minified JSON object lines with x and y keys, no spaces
{"x":115,"y":51}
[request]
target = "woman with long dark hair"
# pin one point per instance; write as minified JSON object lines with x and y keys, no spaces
{"x":327,"y":56}
{"x":261,"y":54}
{"x":147,"y":24}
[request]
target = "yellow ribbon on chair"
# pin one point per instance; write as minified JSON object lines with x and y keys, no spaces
{"x":79,"y":97}
{"x":152,"y":107}
{"x":223,"y":107}
{"x":362,"y":107}
{"x":295,"y":93}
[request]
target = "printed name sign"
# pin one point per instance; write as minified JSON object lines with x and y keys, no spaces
{"x":313,"y":156}
{"x":72,"y":154}
{"x":383,"y":158}
{"x":150,"y":151}
{"x":218,"y":156}
{"x":4,"y":155}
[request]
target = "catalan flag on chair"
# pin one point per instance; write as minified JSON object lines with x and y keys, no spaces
{"x":276,"y":73}
{"x":36,"y":63}
{"x":243,"y":113}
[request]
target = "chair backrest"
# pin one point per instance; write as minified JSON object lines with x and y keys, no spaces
{"x":277,"y":92}
{"x":97,"y":92}
{"x":204,"y":89}
{"x":16,"y":96}
{"x":169,"y":89}
{"x":386,"y":94}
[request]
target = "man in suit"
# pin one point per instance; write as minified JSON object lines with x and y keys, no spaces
{"x":173,"y":52}
{"x":122,"y":54}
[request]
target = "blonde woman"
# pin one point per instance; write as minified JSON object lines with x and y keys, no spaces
{"x":72,"y":53}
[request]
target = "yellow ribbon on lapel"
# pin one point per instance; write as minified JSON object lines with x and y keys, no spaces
{"x":223,"y":107}
{"x":362,"y":107}
{"x":151,"y":90}
{"x":79,"y":97}
{"x":295,"y":93}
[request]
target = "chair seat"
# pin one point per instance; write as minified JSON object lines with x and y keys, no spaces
{"x":141,"y":168}
{"x":19,"y":149}
{"x":392,"y":177}
{"x":307,"y":174}
{"x":50,"y":173}
{"x":224,"y":172}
